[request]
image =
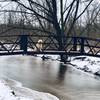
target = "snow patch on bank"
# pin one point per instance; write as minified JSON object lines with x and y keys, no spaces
{"x":46,"y":56}
{"x":10,"y":90}
{"x":88,"y":64}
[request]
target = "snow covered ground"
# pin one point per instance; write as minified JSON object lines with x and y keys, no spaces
{"x":86,"y":63}
{"x":10,"y":90}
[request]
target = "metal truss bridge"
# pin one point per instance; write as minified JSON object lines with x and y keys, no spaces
{"x":25,"y":44}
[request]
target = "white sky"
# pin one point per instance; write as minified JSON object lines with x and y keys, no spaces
{"x":12,"y":5}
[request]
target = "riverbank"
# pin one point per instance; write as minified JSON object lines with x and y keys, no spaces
{"x":87,"y":64}
{"x":12,"y":90}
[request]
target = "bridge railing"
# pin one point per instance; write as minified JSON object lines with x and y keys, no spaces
{"x":24,"y":44}
{"x":83,"y":45}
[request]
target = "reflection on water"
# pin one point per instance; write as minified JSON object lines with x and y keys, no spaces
{"x":61,"y":80}
{"x":62,"y":71}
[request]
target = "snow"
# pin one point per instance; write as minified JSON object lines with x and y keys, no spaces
{"x":86,"y":63}
{"x":17,"y":92}
{"x":52,"y":57}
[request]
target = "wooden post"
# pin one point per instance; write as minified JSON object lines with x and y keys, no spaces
{"x":82,"y":46}
{"x":74,"y":43}
{"x":24,"y":43}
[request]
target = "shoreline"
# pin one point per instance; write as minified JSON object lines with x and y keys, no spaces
{"x":15,"y":91}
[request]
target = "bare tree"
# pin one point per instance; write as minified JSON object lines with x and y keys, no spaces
{"x":57,"y":13}
{"x":91,"y":24}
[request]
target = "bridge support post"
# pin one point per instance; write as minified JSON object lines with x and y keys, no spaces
{"x":63,"y":58}
{"x":24,"y":43}
{"x":82,"y":46}
{"x":74,"y":44}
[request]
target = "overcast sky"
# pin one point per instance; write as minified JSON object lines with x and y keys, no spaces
{"x":11,"y":5}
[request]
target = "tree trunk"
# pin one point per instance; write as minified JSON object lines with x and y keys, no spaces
{"x":61,"y":42}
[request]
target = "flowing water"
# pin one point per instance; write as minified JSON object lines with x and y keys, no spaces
{"x":64,"y":81}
